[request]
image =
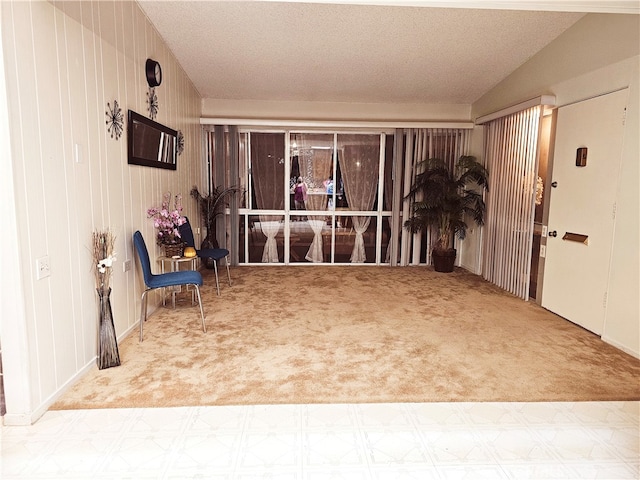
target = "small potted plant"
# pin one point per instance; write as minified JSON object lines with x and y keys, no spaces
{"x":443,"y":198}
{"x":212,"y":206}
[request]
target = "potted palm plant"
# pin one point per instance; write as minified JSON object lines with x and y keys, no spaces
{"x":443,"y":199}
{"x":212,"y":206}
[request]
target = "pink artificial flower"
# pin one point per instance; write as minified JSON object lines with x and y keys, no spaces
{"x":167,"y":221}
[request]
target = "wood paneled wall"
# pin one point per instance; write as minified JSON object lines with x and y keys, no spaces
{"x":63,"y":62}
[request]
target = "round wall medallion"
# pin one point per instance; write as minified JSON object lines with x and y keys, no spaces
{"x":180,"y":142}
{"x":115,"y":120}
{"x":152,"y":102}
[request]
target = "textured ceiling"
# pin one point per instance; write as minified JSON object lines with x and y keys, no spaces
{"x":348,"y":52}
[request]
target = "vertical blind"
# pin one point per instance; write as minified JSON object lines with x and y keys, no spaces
{"x":511,"y":153}
{"x":221,"y":151}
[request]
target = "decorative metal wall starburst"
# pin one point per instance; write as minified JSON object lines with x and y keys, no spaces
{"x":180,"y":142}
{"x":152,"y":102}
{"x":115,"y":120}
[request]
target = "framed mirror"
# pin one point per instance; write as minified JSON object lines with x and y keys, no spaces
{"x":150,"y":143}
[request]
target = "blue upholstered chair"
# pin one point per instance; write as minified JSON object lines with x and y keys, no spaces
{"x":171,"y":279}
{"x":186,"y":233}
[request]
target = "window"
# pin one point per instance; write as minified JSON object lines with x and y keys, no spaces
{"x":328,"y":196}
{"x":333,"y":178}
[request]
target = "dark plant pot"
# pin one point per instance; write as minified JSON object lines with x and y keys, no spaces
{"x":444,"y":260}
{"x":208,"y":242}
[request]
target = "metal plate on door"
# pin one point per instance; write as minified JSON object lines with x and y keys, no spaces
{"x":576,"y":237}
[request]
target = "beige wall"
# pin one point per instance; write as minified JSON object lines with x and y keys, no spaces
{"x":326,"y":111}
{"x":596,"y":41}
{"x":62,"y":68}
{"x":599,"y":54}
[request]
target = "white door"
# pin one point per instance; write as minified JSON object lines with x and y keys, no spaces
{"x":576,"y":270}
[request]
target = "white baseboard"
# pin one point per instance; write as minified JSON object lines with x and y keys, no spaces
{"x":17,"y":419}
{"x":470,"y":268}
{"x":22,"y":419}
{"x":619,"y":346}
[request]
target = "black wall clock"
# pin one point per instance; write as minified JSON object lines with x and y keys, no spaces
{"x":154,"y":73}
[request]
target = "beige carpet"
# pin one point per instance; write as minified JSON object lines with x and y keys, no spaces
{"x":330,"y":334}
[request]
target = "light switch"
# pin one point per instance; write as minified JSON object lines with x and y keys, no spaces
{"x":43,"y":269}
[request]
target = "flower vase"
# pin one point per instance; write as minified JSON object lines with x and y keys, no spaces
{"x":209,"y":242}
{"x":108,"y":355}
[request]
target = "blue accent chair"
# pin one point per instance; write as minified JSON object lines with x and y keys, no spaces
{"x":170,"y":279}
{"x":186,"y":233}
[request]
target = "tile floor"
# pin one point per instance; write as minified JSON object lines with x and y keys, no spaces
{"x":361,"y":441}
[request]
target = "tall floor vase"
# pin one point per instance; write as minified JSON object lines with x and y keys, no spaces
{"x":108,"y":355}
{"x":209,"y":242}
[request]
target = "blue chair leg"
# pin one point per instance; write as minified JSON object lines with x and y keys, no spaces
{"x":228,"y":271}
{"x":204,"y":327}
{"x":143,"y":310}
{"x":215,"y":268}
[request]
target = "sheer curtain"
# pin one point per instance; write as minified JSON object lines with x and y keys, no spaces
{"x":315,"y":167}
{"x":388,"y":191}
{"x":267,"y":168}
{"x":511,"y":151}
{"x":270,"y":230}
{"x":359,"y":164}
{"x":222,"y":148}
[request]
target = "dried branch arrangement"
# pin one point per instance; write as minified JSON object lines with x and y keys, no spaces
{"x":103,"y":256}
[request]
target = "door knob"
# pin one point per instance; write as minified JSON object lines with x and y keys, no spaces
{"x":553,"y":234}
